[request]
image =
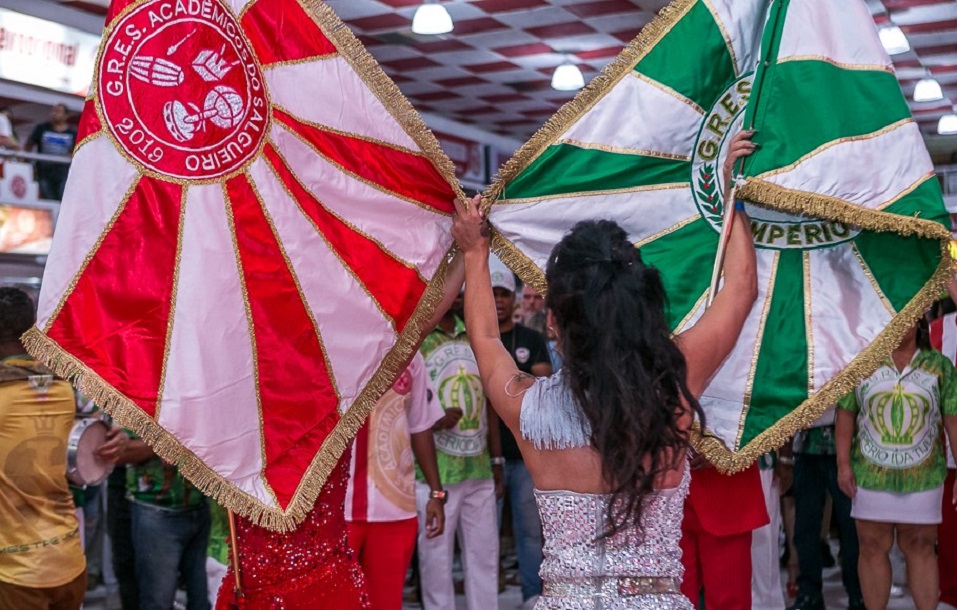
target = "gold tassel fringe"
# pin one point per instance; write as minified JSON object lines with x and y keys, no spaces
{"x":518,"y":261}
{"x":832,"y":208}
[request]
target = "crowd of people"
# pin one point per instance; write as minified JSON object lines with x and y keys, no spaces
{"x":580,"y":433}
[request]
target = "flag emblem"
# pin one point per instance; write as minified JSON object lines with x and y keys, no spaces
{"x":195,"y":112}
{"x":772,"y":230}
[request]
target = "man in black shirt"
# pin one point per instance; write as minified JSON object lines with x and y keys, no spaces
{"x":530,"y":352}
{"x":57,"y":137}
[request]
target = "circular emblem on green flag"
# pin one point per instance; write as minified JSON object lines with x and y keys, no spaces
{"x":772,"y":230}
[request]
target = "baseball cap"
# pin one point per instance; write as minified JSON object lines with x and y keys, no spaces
{"x":502,"y":276}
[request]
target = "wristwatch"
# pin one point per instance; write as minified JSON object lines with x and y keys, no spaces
{"x":439,"y":494}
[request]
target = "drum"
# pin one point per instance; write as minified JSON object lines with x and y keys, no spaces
{"x":83,"y":467}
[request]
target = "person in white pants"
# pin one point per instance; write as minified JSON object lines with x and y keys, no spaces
{"x":470,"y":515}
{"x":465,"y":468}
{"x":766,"y":591}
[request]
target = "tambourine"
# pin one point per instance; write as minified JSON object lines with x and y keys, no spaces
{"x":83,"y":466}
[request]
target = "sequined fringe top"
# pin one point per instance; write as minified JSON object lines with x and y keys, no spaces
{"x":634,"y":569}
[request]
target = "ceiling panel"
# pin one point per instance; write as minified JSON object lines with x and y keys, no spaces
{"x":493,"y":70}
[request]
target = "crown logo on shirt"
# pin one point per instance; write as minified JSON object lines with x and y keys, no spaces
{"x":898,"y":416}
{"x":464,"y":390}
{"x":44,"y":424}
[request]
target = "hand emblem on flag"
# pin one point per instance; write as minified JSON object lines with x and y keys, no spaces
{"x":254,"y":230}
{"x":644,"y":145}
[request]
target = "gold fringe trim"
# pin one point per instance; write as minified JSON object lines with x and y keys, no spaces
{"x":129,"y":415}
{"x":860,"y":368}
{"x":572,"y":112}
{"x":832,"y":208}
{"x":191,"y":466}
{"x":383,"y":88}
{"x":518,"y":261}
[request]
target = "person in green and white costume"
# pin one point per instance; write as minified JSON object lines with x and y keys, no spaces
{"x":891,"y":462}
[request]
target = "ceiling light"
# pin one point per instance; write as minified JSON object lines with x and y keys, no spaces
{"x":947,"y":125}
{"x":431,"y":19}
{"x":567,"y":77}
{"x":928,"y":90}
{"x":893,"y":40}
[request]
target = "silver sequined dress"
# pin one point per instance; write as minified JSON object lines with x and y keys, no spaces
{"x":581,"y":570}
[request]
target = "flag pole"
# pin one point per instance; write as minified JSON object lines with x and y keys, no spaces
{"x":234,"y":556}
{"x":726,"y":227}
{"x":771,"y":44}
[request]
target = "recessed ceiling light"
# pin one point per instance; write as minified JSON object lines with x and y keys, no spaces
{"x":928,"y":90}
{"x":893,"y":40}
{"x":432,"y":19}
{"x":947,"y":125}
{"x":567,"y":77}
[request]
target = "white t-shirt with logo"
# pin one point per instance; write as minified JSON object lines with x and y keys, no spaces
{"x":382,"y":472}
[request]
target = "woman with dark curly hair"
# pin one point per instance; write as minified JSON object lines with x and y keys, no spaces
{"x":607,"y":438}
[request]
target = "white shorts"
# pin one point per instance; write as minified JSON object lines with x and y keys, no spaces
{"x":917,"y":508}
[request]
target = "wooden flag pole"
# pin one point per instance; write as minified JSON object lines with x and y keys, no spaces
{"x":234,"y":553}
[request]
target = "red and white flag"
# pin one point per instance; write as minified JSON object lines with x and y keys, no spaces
{"x":255,"y":227}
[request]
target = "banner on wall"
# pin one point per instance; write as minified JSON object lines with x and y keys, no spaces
{"x":46,"y":54}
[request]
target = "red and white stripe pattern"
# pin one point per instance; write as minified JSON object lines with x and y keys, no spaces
{"x":245,"y":315}
{"x":943,"y":336}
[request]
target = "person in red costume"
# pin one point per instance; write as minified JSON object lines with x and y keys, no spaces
{"x":943,"y":337}
{"x":720,"y":513}
{"x":311,"y":568}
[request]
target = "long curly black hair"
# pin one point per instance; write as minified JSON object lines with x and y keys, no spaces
{"x":620,"y":361}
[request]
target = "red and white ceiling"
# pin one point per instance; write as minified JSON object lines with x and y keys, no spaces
{"x":494,"y":70}
{"x":931,"y":30}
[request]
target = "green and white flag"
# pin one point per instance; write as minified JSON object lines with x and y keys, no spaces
{"x":643,"y":145}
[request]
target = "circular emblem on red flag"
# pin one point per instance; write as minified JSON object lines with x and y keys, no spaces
{"x":181,"y":91}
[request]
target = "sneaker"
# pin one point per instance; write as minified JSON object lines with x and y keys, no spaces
{"x":529,"y":604}
{"x":856,"y":604}
{"x":897,"y":591}
{"x":806,"y":602}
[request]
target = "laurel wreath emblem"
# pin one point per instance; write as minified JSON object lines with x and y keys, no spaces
{"x":711,"y":204}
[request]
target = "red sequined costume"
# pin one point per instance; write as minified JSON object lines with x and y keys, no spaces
{"x":311,"y":568}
